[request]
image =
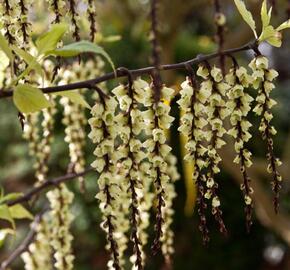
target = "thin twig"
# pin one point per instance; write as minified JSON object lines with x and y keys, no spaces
{"x":24,"y":244}
{"x":142,"y":71}
{"x":45,"y":185}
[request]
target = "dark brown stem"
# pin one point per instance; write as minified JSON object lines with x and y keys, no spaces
{"x":220,"y":31}
{"x":142,"y":71}
{"x":47,"y":184}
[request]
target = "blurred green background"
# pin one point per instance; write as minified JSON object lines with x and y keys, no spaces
{"x":187,"y":29}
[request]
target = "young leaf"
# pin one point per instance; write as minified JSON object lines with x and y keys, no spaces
{"x":17,"y":211}
{"x":265,"y":15}
{"x":48,"y":41}
{"x":29,"y":99}
{"x":276,"y":40}
{"x":6,"y":215}
{"x":284,"y":25}
{"x":10,"y":196}
{"x":4,"y":233}
{"x":4,"y":46}
{"x":29,"y":59}
{"x":83,"y":46}
{"x":74,"y":97}
{"x":247,"y":15}
{"x":268,"y":32}
{"x":4,"y":61}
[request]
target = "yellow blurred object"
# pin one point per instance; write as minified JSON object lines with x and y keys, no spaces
{"x":187,"y":172}
{"x":188,"y":169}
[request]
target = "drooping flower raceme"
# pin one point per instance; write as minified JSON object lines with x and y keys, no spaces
{"x":263,"y":81}
{"x":61,"y":218}
{"x":38,"y":254}
{"x":192,"y":125}
{"x":158,"y":120}
{"x":57,"y":7}
{"x":91,"y":13}
{"x":216,"y":112}
{"x":239,"y":105}
{"x":103,"y":134}
{"x":130,"y":125}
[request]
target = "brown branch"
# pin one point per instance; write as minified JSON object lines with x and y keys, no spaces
{"x":47,"y":184}
{"x":142,"y":71}
{"x":24,"y":244}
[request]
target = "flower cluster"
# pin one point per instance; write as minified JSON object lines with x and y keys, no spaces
{"x":130,"y":157}
{"x":38,"y":254}
{"x":262,"y":80}
{"x":57,"y":7}
{"x":215,"y":87}
{"x":192,"y":125}
{"x":103,"y":134}
{"x":158,"y":120}
{"x":75,"y":18}
{"x":60,"y":200}
{"x":239,"y":105}
{"x":91,"y":13}
{"x":24,"y":25}
{"x":44,"y":147}
{"x":40,"y":147}
{"x":75,"y":121}
{"x":8,"y":12}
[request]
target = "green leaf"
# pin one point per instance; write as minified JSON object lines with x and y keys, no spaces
{"x":275,"y":41}
{"x":4,"y":61}
{"x":265,"y":15}
{"x":48,"y":41}
{"x":29,"y":99}
{"x":4,"y":46}
{"x":17,"y":211}
{"x":247,"y":15}
{"x":268,"y":32}
{"x":83,"y":46}
{"x":10,"y":196}
{"x":284,"y":25}
{"x":74,"y":97}
{"x":29,"y":59}
{"x":4,"y":233}
{"x":6,"y":215}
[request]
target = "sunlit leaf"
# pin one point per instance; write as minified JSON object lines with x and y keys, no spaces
{"x":4,"y":61}
{"x":275,"y":41}
{"x":6,"y":215}
{"x":77,"y":48}
{"x":268,"y":32}
{"x":18,"y":211}
{"x":4,"y":46}
{"x":48,"y":41}
{"x":4,"y":233}
{"x":10,"y":196}
{"x":284,"y":25}
{"x":265,"y":15}
{"x":29,"y":99}
{"x":74,"y":97}
{"x":247,"y":15}
{"x":29,"y":59}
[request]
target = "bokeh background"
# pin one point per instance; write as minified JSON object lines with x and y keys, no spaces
{"x":186,"y":30}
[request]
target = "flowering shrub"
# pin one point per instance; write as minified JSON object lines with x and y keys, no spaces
{"x":134,"y":166}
